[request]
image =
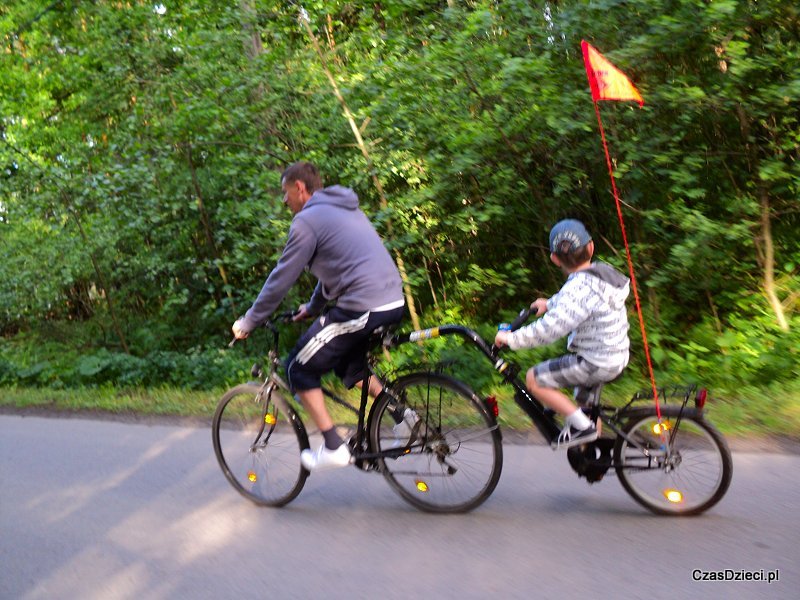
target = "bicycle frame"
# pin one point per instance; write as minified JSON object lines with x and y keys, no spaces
{"x":273,"y":380}
{"x":539,"y":415}
{"x":542,"y":418}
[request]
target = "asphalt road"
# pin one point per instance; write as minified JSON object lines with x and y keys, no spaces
{"x":94,"y":509}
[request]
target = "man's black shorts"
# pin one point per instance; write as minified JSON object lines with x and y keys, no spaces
{"x":336,"y":341}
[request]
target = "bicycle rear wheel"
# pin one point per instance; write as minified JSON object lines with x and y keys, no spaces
{"x":689,"y":479}
{"x":455,"y":455}
{"x":257,"y":439}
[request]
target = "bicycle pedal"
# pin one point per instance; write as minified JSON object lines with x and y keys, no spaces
{"x":364,"y":464}
{"x":355,"y":449}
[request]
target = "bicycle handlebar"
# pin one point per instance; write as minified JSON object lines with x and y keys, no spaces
{"x":282,"y":317}
{"x":521,"y":318}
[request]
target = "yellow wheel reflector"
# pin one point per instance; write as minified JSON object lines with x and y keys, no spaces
{"x":269,"y":419}
{"x":252,"y":476}
{"x":422,"y":486}
{"x":673,"y":496}
{"x":660,"y":428}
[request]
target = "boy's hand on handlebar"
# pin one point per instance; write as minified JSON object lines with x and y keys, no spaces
{"x":540,"y":306}
{"x":501,"y":339}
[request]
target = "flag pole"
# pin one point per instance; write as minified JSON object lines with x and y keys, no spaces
{"x":630,"y":261}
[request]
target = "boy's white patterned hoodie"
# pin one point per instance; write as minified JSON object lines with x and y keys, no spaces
{"x":590,"y":307}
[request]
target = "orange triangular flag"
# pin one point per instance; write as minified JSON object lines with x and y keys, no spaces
{"x":606,"y":81}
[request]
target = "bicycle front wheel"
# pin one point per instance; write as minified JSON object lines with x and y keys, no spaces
{"x":686,"y":476}
{"x":257,"y":439}
{"x":452,"y":460}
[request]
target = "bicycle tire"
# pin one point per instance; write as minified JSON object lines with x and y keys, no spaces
{"x":257,"y":441}
{"x":692,"y":481}
{"x":455,"y":463}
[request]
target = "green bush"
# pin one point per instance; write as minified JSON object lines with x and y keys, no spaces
{"x":747,"y":351}
{"x":53,"y":366}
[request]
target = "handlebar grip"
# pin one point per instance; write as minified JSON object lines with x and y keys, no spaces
{"x":285,"y":316}
{"x":521,"y":318}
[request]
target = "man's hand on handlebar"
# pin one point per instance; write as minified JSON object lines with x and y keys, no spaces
{"x":302,"y":313}
{"x":237,"y":330}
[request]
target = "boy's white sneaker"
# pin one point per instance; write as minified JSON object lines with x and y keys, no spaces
{"x":323,"y":458}
{"x":571,"y":436}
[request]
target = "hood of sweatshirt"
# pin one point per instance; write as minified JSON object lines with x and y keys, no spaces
{"x":606,"y":281}
{"x":336,"y":195}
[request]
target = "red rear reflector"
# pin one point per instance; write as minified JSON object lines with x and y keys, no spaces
{"x":491,"y":404}
{"x":700,"y":400}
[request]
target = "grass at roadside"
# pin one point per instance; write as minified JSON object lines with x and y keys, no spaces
{"x":745,"y":411}
{"x":153,"y":401}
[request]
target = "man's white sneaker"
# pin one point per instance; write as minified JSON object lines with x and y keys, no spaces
{"x":322,"y":458}
{"x":402,"y":430}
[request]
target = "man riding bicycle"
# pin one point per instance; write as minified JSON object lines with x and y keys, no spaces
{"x":331,"y":237}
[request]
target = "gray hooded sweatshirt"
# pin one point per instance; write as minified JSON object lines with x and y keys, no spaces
{"x":334,"y":239}
{"x":590,"y":307}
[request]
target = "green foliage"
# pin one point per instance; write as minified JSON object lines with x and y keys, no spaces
{"x":141,"y":149}
{"x":49,"y":364}
{"x":750,"y":351}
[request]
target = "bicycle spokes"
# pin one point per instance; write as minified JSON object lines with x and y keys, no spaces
{"x":258,"y":446}
{"x":451,"y":461}
{"x":685,"y":475}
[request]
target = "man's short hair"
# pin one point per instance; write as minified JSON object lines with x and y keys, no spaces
{"x":305,"y":172}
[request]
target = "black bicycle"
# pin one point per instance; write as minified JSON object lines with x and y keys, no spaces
{"x":447,"y":457}
{"x":451,"y":459}
{"x":672,"y":463}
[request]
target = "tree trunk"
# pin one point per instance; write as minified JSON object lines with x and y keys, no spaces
{"x":765,"y":250}
{"x":252,"y":42}
{"x":412,"y":310}
{"x":768,"y":259}
{"x":253,"y":48}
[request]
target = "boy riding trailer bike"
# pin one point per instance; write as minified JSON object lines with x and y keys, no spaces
{"x":590,"y":308}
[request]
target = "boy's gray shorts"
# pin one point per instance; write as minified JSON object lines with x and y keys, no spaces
{"x":573,"y":371}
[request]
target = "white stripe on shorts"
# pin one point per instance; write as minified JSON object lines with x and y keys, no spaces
{"x":326,"y":334}
{"x":390,"y":306}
